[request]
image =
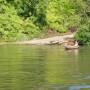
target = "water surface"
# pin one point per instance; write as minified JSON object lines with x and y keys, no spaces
{"x":24,"y":67}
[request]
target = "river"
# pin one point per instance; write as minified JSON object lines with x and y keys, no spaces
{"x":27,"y":67}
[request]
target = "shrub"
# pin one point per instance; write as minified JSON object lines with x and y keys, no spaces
{"x":83,"y":34}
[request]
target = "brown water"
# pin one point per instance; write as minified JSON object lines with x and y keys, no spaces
{"x":24,"y":67}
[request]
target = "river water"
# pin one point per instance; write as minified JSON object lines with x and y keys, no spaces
{"x":24,"y":67}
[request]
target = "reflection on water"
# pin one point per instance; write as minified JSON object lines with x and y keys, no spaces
{"x":43,"y":68}
{"x":73,"y":51}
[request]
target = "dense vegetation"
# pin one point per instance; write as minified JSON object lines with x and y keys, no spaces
{"x":25,"y":19}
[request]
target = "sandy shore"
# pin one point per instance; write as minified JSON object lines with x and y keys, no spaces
{"x":48,"y":41}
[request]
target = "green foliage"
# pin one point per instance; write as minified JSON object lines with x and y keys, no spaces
{"x":25,"y":19}
{"x":10,"y":23}
{"x":61,"y":14}
{"x":12,"y":26}
{"x":83,"y":35}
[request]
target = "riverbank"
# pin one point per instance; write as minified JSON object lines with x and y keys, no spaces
{"x":48,"y":41}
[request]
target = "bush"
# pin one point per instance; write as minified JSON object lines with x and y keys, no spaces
{"x":12,"y":27}
{"x":83,"y":34}
{"x":62,"y":14}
